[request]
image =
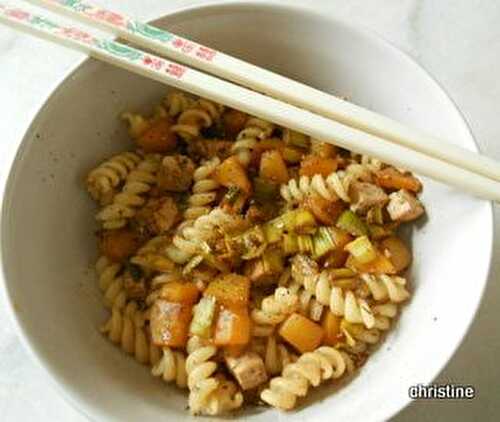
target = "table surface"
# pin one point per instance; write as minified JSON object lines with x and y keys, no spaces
{"x":458,"y":41}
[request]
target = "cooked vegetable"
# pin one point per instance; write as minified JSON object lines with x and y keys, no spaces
{"x":265,"y":191}
{"x":312,"y":164}
{"x":203,"y":317}
{"x":395,"y":249}
{"x":232,"y":194}
{"x":230,"y":290}
{"x":381,"y":264}
{"x":179,"y":292}
{"x":362,"y":250}
{"x":118,"y":245}
{"x":234,"y":122}
{"x":273,"y":167}
{"x":331,"y":327}
{"x":301,"y":243}
{"x":233,"y":326}
{"x":170,"y":323}
{"x":297,"y":221}
{"x":301,"y":333}
{"x":158,"y":137}
{"x":295,"y":138}
{"x":335,"y":259}
{"x":390,"y":178}
{"x":324,"y":242}
{"x":325,"y":211}
{"x":342,"y":273}
{"x":231,"y":173}
{"x":352,"y":224}
{"x":378,"y":232}
{"x":292,"y":155}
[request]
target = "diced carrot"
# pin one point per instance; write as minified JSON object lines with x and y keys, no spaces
{"x":170,"y":323}
{"x":234,"y":121}
{"x":327,"y":212}
{"x":233,"y":326}
{"x":273,"y":167}
{"x":395,"y":249}
{"x":158,"y":138}
{"x":390,"y":178}
{"x":180,"y":292}
{"x":231,"y":173}
{"x":331,"y":326}
{"x":380,"y":265}
{"x":230,"y":290}
{"x":118,"y":245}
{"x":312,"y":164}
{"x":263,"y":146}
{"x":301,"y":333}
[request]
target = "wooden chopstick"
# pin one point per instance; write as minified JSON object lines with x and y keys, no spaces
{"x":268,"y":108}
{"x":224,"y":66}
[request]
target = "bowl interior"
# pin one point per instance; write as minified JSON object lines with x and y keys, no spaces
{"x":49,"y":247}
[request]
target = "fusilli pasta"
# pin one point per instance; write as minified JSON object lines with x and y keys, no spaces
{"x":171,"y":367}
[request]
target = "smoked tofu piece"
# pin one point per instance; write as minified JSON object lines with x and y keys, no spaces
{"x":365,"y":196}
{"x":403,"y":206}
{"x":248,"y":369}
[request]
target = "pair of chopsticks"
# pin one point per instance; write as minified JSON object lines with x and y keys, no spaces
{"x":287,"y":103}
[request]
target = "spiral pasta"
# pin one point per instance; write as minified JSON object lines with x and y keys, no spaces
{"x":200,"y":115}
{"x":176,"y":102}
{"x":309,"y":370}
{"x":104,"y":179}
{"x":383,"y":286}
{"x":275,"y":308}
{"x":204,"y":190}
{"x":126,"y":329}
{"x":171,"y":367}
{"x":111,"y":283}
{"x":248,"y":138}
{"x":193,"y":237}
{"x":138,"y":182}
{"x":277,"y":356}
{"x":205,"y":395}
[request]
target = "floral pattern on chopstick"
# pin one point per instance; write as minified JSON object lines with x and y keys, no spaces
{"x":128,"y":24}
{"x":113,"y":48}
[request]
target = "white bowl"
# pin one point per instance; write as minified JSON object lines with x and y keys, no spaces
{"x":48,"y":245}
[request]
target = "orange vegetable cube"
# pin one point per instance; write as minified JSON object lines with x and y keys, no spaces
{"x":170,"y":323}
{"x":325,"y":211}
{"x":234,"y":121}
{"x":331,"y":326}
{"x":390,"y":178}
{"x":230,"y":290}
{"x":118,"y":245}
{"x":180,"y":292}
{"x":273,"y":167}
{"x":313,"y":164}
{"x":233,"y":326}
{"x":158,"y":138}
{"x":301,"y":333}
{"x":231,"y":173}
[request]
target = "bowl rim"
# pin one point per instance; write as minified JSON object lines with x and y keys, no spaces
{"x":71,"y":394}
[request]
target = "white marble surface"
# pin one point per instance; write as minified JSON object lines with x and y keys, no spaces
{"x":458,"y":41}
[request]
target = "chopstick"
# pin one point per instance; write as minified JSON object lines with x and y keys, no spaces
{"x":232,"y":95}
{"x":258,"y":79}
